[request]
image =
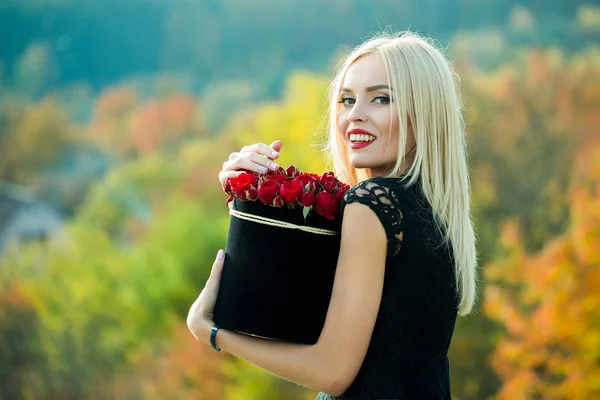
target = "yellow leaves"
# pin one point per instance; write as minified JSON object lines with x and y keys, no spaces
{"x":484,"y":193}
{"x":298,"y":121}
{"x":586,"y":226}
{"x":519,"y":388}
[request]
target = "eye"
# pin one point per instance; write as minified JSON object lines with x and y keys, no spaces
{"x":347,"y":101}
{"x":382,"y":100}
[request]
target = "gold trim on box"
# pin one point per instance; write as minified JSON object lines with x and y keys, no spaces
{"x":279,"y":224}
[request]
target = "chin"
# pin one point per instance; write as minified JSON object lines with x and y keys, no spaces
{"x":374,"y":166}
{"x":362,"y":162}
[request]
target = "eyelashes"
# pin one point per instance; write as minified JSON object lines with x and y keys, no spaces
{"x":348,"y":101}
{"x":344,"y":101}
{"x":384,"y":99}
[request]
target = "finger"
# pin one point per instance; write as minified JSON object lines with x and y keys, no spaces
{"x":262,"y":149}
{"x":276,"y":145}
{"x":250,"y":162}
{"x":215,"y":274}
{"x":224,"y":175}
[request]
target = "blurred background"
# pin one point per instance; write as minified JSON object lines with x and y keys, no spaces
{"x":116,"y":115}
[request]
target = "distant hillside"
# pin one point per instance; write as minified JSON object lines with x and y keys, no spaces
{"x":103,"y":42}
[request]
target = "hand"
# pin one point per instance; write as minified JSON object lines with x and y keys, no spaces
{"x":257,"y":157}
{"x":200,"y":316}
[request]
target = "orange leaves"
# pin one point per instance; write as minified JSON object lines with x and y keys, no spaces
{"x":161,"y":121}
{"x":13,"y":298}
{"x":124,"y":126}
{"x":115,"y":101}
{"x":538,"y":68}
{"x":108,"y":128}
{"x":185,"y":369}
{"x":549,"y":304}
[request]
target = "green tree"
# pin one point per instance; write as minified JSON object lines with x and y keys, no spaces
{"x":32,"y":138}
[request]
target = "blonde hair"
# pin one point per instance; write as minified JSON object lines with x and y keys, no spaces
{"x":425,"y":88}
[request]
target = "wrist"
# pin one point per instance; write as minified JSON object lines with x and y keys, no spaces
{"x":207,"y":326}
{"x":203,"y":329}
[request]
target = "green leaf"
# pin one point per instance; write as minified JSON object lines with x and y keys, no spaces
{"x":305,"y":211}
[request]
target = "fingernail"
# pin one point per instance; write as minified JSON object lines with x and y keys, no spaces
{"x":262,"y":169}
{"x":220,"y":255}
{"x":274,"y":153}
{"x":274,"y":166}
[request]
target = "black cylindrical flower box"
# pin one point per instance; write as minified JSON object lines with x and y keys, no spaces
{"x":277,"y":281}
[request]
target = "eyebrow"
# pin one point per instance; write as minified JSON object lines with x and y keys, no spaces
{"x":370,"y":88}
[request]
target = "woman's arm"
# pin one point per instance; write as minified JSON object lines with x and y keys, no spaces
{"x":332,"y":363}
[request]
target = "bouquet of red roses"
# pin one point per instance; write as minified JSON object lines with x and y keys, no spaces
{"x":290,"y":187}
{"x":281,"y":253}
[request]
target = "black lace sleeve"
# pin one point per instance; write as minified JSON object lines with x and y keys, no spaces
{"x":384,"y":202}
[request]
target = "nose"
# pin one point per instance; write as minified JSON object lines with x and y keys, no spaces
{"x":357,"y":113}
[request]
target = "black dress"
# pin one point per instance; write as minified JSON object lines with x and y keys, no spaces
{"x":407,"y":355}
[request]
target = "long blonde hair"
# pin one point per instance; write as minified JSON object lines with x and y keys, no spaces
{"x":425,"y":89}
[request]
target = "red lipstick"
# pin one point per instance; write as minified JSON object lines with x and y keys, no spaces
{"x":360,"y":145}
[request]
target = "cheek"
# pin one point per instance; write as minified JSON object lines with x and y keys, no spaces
{"x":386,"y":124}
{"x":342,"y":121}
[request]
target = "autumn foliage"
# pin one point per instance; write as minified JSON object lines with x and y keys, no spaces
{"x":102,"y":314}
{"x":549,"y":304}
{"x":547,"y":301}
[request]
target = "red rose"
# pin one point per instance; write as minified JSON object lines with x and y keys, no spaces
{"x":278,"y":202}
{"x":292,"y":172}
{"x":310,"y":182}
{"x":267,"y":191}
{"x":329,"y":182}
{"x":278,"y":171}
{"x":227,"y":186}
{"x":242,"y":183}
{"x":325,"y":176}
{"x":320,"y":193}
{"x":307,"y":199}
{"x":291,"y":191}
{"x":252,"y":194}
{"x":326,"y":205}
{"x":279,"y":178}
{"x":340,"y":193}
{"x":331,"y":185}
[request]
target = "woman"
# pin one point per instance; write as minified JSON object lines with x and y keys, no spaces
{"x":407,"y":259}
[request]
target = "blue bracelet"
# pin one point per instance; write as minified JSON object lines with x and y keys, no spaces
{"x":213,"y":336}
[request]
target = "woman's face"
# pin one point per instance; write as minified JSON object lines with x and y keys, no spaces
{"x":364,"y":119}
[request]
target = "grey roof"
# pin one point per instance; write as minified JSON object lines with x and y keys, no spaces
{"x":8,"y":206}
{"x":12,"y":197}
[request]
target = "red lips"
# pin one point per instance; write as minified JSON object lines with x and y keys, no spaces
{"x":359,"y":144}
